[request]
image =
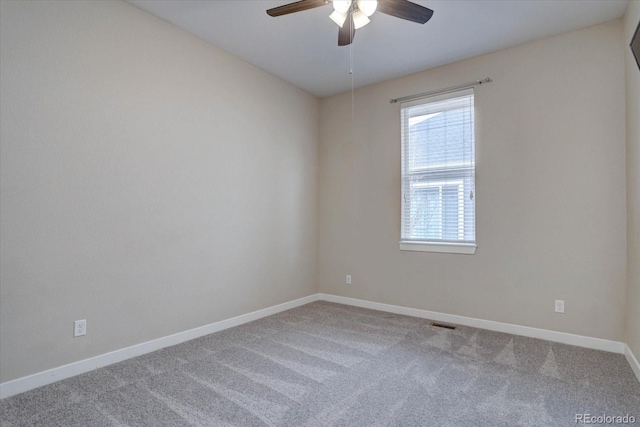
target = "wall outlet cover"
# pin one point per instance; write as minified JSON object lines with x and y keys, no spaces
{"x":80,"y":328}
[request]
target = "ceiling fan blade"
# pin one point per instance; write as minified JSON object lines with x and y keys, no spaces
{"x":298,"y":6}
{"x":405,"y":9}
{"x":346,"y":33}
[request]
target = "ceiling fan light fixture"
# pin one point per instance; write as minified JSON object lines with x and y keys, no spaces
{"x":367,"y":6}
{"x":338,"y":18}
{"x":341,"y":6}
{"x":360,"y":19}
{"x":357,"y":12}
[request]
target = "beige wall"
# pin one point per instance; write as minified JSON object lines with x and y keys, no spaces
{"x":551,"y":220}
{"x":632,"y":336}
{"x":151,"y":183}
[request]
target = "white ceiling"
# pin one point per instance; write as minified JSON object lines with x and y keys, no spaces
{"x":302,"y":48}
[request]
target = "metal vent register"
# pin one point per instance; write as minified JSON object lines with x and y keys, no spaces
{"x":442,"y":325}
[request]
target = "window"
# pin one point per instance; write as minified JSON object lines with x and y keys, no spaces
{"x":438,"y":174}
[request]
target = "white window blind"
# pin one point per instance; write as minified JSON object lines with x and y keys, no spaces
{"x":438,"y":170}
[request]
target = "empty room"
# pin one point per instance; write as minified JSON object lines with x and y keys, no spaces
{"x":319,"y":212}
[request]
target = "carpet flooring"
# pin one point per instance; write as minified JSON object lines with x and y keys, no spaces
{"x":326,"y":364}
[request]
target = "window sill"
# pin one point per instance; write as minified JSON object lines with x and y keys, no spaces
{"x":449,"y":248}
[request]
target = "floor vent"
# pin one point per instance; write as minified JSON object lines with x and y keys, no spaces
{"x":442,"y":325}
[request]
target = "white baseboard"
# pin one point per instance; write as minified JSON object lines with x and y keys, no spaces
{"x":561,"y":337}
{"x":635,"y":366}
{"x":20,"y":385}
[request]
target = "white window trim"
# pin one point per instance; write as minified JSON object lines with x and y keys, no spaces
{"x":449,"y":248}
{"x":438,"y":247}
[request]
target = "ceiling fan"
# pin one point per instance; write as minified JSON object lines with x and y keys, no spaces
{"x":353,"y":14}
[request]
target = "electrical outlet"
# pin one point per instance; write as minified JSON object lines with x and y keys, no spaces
{"x":559,"y":306}
{"x":80,"y":328}
{"x":348,"y":281}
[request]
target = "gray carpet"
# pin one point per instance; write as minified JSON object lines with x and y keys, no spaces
{"x":326,"y":364}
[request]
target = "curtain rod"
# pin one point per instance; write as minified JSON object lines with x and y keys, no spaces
{"x":445,"y":90}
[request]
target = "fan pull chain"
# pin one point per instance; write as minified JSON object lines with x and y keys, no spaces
{"x":353,"y":114}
